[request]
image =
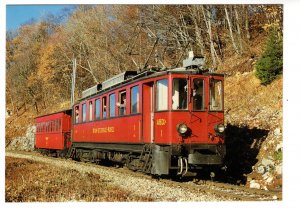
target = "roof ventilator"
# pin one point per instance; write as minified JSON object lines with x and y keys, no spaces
{"x":193,"y":61}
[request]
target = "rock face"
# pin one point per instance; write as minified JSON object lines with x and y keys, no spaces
{"x":25,"y":143}
{"x":254,"y":113}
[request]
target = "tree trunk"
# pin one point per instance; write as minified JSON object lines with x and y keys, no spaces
{"x":213,"y":52}
{"x":194,"y":10}
{"x":238,"y":28}
{"x":247,"y":22}
{"x":230,"y":31}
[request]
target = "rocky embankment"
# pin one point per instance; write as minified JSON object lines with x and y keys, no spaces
{"x":254,"y":117}
{"x":23,"y":143}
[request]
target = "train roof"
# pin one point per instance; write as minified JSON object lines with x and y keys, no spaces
{"x":96,"y":90}
{"x":67,"y":111}
{"x":191,"y":65}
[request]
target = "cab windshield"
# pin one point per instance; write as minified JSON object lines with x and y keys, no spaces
{"x":215,"y":94}
{"x":179,"y":94}
{"x":198,"y":94}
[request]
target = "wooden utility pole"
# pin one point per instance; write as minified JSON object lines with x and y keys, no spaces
{"x":73,"y":82}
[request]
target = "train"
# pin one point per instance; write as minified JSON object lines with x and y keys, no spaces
{"x":156,"y":121}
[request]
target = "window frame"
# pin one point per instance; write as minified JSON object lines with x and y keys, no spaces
{"x":90,"y":111}
{"x":156,"y":95}
{"x":112,"y":110}
{"x":120,"y":93}
{"x":203,"y":92}
{"x":222,"y":94}
{"x":74,"y":121}
{"x":137,"y":100}
{"x":104,"y":105}
{"x":187,"y":94}
{"x":83,"y":113}
{"x":95,"y":109}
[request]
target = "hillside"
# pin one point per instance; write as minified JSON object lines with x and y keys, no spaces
{"x":253,"y":114}
{"x":108,"y":40}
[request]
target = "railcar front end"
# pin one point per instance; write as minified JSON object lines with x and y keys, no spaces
{"x":188,"y":122}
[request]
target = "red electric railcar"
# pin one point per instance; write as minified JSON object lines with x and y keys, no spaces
{"x":53,"y":132}
{"x":156,"y":121}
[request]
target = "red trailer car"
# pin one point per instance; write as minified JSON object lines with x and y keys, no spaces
{"x":53,"y":133}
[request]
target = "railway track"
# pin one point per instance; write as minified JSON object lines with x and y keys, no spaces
{"x":223,"y":191}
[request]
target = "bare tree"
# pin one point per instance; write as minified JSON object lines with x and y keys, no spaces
{"x":230,"y":31}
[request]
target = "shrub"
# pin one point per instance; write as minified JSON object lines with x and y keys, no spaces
{"x":270,"y":65}
{"x":278,"y":155}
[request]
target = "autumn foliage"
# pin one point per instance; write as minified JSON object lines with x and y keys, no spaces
{"x":109,"y":39}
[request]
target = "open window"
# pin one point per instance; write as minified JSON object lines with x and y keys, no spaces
{"x":104,"y":107}
{"x":83,"y":112}
{"x":122,"y":103}
{"x":179,"y":94}
{"x":216,"y":95}
{"x":76,"y":114}
{"x":90,"y":110}
{"x":198,"y":94}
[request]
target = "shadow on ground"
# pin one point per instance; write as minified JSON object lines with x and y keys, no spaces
{"x":242,"y":145}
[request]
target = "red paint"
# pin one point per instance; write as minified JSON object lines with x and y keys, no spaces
{"x":147,"y":112}
{"x":51,"y":131}
{"x":137,"y":128}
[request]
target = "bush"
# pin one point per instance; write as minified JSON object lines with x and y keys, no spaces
{"x":270,"y":65}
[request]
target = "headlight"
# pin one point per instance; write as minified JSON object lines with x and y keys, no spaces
{"x":220,"y":128}
{"x":182,"y":128}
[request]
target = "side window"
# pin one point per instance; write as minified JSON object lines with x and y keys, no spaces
{"x":198,"y":95}
{"x":90,"y":110}
{"x":53,"y":126}
{"x":97,"y":109}
{"x":216,"y":95}
{"x":59,"y":125}
{"x":112,"y":105}
{"x":134,"y":104}
{"x":162,"y":95}
{"x":83,"y":112}
{"x":179,"y":94}
{"x":76,"y":114}
{"x":104,"y":107}
{"x":122,"y":103}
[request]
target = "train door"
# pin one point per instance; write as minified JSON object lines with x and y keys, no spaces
{"x":198,"y":118}
{"x":148,"y":113}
